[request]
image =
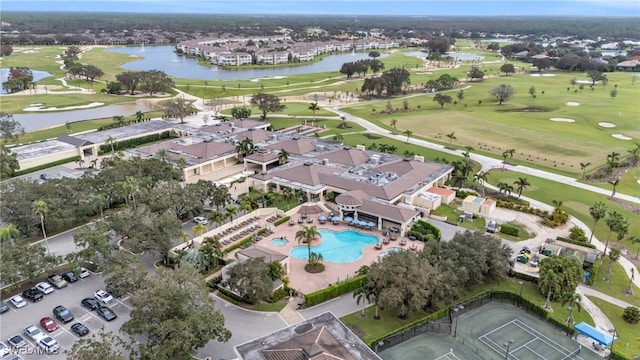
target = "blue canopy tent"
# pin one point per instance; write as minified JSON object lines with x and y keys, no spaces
{"x":322,"y":217}
{"x":335,"y":218}
{"x":348,"y":219}
{"x":595,"y":334}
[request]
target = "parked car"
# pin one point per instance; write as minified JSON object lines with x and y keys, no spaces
{"x":48,"y":324}
{"x":200,"y":220}
{"x":63,"y":314}
{"x":18,"y":301}
{"x":45,"y":177}
{"x":103,"y":296}
{"x":70,"y":277}
{"x":106,"y":313}
{"x":525,"y":250}
{"x":84,"y":273}
{"x":535,"y":260}
{"x":79,"y":329}
{"x":48,"y":344}
{"x":492,"y":227}
{"x":57,"y":281}
{"x":33,"y":333}
{"x":32,"y":294}
{"x":4,"y":349}
{"x":90,"y":303}
{"x":17,"y":341}
{"x":44,"y":288}
{"x":3,"y":307}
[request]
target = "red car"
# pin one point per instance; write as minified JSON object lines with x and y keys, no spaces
{"x":48,"y":324}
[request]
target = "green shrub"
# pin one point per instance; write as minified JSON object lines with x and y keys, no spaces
{"x":131,"y":143}
{"x":281,"y":221}
{"x":47,"y":165}
{"x":463,"y":194}
{"x":332,"y":291}
{"x":509,"y":229}
{"x":244,"y":243}
{"x":631,"y":314}
{"x":574,"y":242}
{"x":577,"y":234}
{"x":422,"y":230}
{"x":523,"y":276}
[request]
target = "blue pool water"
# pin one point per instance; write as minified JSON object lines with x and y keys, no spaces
{"x":337,"y":247}
{"x":279,"y":242}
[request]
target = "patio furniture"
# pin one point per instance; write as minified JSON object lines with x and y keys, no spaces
{"x":292,"y":222}
{"x":378,"y":246}
{"x":403,"y":242}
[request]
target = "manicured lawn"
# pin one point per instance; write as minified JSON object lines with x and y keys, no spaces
{"x":618,"y":282}
{"x":576,"y":201}
{"x":292,"y":109}
{"x":270,"y":307}
{"x":452,"y":213}
{"x":492,"y":128}
{"x":523,"y":234}
{"x":628,"y":341}
{"x":389,"y":321}
{"x":15,"y":104}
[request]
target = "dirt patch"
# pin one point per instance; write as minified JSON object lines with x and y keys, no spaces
{"x":527,"y":109}
{"x":371,"y":136}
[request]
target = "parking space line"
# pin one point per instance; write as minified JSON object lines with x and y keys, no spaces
{"x":123,"y":304}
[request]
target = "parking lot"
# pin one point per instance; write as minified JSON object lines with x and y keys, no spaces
{"x":15,"y":320}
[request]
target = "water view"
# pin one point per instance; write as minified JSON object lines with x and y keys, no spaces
{"x":337,"y":247}
{"x":164,"y":59}
{"x":37,"y":75}
{"x":457,"y":56}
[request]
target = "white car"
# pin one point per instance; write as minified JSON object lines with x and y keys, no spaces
{"x":201,"y":220}
{"x":4,"y":349}
{"x":44,"y":288}
{"x":84,"y":273}
{"x":18,"y":301}
{"x":103,"y":296}
{"x":48,"y":344}
{"x":33,"y":333}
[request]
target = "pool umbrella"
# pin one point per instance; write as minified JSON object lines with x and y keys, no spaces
{"x":336,"y":218}
{"x":348,"y":219}
{"x":371,"y":224}
{"x":322,"y":217}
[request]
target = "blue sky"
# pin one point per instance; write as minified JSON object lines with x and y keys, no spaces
{"x":341,"y":7}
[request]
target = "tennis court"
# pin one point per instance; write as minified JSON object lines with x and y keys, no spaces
{"x":484,"y":334}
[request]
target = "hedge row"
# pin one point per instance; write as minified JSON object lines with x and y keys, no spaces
{"x":47,"y":165}
{"x":115,"y":125}
{"x":463,"y":194}
{"x":131,"y":143}
{"x":574,"y":242}
{"x":244,"y":243}
{"x":523,"y":276}
{"x":522,"y":208}
{"x":333,"y":291}
{"x":281,"y":221}
{"x":509,"y":229}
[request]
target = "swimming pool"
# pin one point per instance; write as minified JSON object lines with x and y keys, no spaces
{"x":279,"y":242}
{"x":337,"y":247}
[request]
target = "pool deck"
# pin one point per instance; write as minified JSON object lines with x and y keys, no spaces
{"x":307,"y":283}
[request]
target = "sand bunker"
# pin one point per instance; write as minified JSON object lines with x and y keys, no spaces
{"x":605,"y":124}
{"x":535,"y":75}
{"x":53,"y":108}
{"x":573,"y":103}
{"x":638,"y":181}
{"x":562,"y":120}
{"x":621,"y":137}
{"x":585,"y":82}
{"x":548,"y":74}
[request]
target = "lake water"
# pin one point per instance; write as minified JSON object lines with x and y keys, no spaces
{"x":34,"y":121}
{"x":164,"y":58}
{"x":457,"y":56}
{"x":37,"y":75}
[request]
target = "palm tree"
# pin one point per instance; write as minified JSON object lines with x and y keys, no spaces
{"x":583,"y":167}
{"x":408,"y":133}
{"x":338,"y":137}
{"x":622,"y":229}
{"x":573,"y":300}
{"x":362,"y":293}
{"x":452,"y":136}
{"x":186,"y":237}
{"x":283,"y":156}
{"x":394,"y":122}
{"x":307,"y":234}
{"x":139,"y":116}
{"x":40,"y":208}
{"x":597,"y":211}
{"x":245,"y":205}
{"x":314,"y":107}
{"x":612,"y":221}
{"x":634,"y":154}
{"x":521,"y":184}
{"x":511,"y":152}
{"x":551,"y":281}
{"x":162,"y":154}
{"x":231,"y":212}
{"x":502,"y":186}
{"x":505,"y":155}
{"x":217,"y":217}
{"x":80,"y":163}
{"x":9,"y":233}
{"x":111,"y":140}
{"x":614,"y":183}
{"x":99,"y":202}
{"x":635,"y":240}
{"x":612,"y":161}
{"x":614,"y":255}
{"x":481,"y":178}
{"x":212,"y":249}
{"x":199,"y":229}
{"x":132,"y":187}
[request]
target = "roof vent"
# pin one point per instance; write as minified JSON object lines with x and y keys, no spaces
{"x":325,"y":161}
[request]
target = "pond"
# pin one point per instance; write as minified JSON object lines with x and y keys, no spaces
{"x":41,"y":120}
{"x":164,"y":58}
{"x":37,"y":75}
